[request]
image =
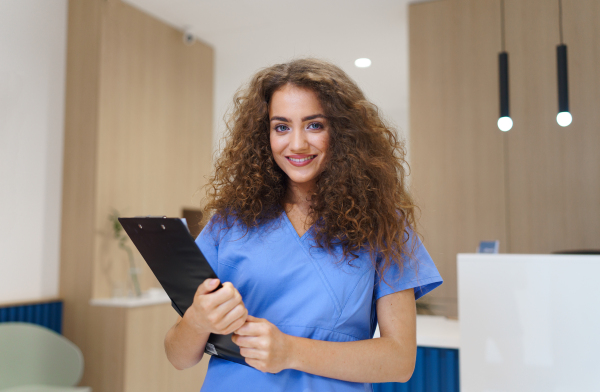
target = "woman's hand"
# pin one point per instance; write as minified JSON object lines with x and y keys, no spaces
{"x":220,"y":312}
{"x":263,"y":345}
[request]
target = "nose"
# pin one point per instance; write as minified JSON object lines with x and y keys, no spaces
{"x":299,"y":141}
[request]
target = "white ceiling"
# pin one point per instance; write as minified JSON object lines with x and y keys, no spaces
{"x":251,"y":34}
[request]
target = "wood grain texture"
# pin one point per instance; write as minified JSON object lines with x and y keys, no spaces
{"x":146,"y":329}
{"x":104,"y":355}
{"x":79,"y":168}
{"x":456,"y":149}
{"x":155,"y":130}
{"x":138,"y":139}
{"x":554,"y":172}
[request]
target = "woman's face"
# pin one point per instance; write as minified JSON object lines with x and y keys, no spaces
{"x":299,"y":134}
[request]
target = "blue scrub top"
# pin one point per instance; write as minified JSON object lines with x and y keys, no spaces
{"x":305,"y":292}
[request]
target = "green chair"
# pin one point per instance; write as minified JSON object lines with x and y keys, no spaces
{"x":37,"y":359}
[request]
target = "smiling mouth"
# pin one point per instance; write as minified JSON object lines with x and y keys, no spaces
{"x":301,"y":160}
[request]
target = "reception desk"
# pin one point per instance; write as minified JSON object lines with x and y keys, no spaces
{"x":529,"y":322}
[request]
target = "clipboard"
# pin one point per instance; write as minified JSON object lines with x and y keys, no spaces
{"x":173,"y":256}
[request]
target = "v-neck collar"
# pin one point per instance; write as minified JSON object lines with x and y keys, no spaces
{"x":291,"y":227}
{"x":306,"y":247}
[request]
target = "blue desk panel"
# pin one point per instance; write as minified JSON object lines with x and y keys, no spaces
{"x":47,"y":314}
{"x":436,"y":370}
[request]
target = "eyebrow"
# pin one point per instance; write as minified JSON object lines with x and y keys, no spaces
{"x":307,"y":118}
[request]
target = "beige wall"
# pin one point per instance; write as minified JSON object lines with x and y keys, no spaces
{"x":535,"y":188}
{"x":138,"y":138}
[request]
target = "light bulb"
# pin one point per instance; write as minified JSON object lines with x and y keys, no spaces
{"x":362,"y":63}
{"x":564,"y":119}
{"x":505,"y":123}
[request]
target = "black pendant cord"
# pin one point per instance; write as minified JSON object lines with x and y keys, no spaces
{"x":503,"y":68}
{"x":561,"y":66}
{"x":560,"y":24}
{"x":502,"y":33}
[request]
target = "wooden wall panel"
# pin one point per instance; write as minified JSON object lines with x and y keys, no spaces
{"x":79,"y":167}
{"x":104,"y":355}
{"x":456,"y":149}
{"x":138,"y":138}
{"x":146,"y":328}
{"x":154,"y":144}
{"x":554,"y":172}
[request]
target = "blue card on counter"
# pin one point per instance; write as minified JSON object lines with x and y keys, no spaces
{"x":488,"y":247}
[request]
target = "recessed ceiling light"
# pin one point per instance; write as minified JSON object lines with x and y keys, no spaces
{"x":362,"y":63}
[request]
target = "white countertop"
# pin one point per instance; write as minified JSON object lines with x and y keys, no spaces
{"x":151,"y":297}
{"x":435,"y":331}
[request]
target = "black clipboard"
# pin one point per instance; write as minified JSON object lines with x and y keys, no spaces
{"x":173,"y":256}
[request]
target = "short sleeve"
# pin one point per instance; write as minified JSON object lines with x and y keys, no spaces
{"x":418,"y":272}
{"x":208,"y":242}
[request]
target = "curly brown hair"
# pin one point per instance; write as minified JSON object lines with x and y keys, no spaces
{"x":360,"y":201}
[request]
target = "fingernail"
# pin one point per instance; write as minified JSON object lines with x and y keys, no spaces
{"x":212,"y":282}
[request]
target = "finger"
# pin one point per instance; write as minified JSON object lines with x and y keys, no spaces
{"x":234,"y":319}
{"x":250,"y":328}
{"x":231,"y":303}
{"x":250,"y":353}
{"x":247,"y":341}
{"x":224,"y":294}
{"x":256,"y":320}
{"x":222,"y":310}
{"x":207,"y":286}
{"x":217,"y":298}
{"x":235,"y":325}
{"x":255,"y":363}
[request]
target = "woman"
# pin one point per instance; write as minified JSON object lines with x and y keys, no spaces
{"x":312,"y":230}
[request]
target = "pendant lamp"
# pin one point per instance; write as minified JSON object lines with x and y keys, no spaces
{"x":505,"y":123}
{"x":564,"y":117}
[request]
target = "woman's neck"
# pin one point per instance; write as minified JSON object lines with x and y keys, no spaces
{"x":298,"y":197}
{"x":297,"y":204}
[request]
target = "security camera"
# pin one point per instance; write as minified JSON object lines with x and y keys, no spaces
{"x":188,"y":38}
